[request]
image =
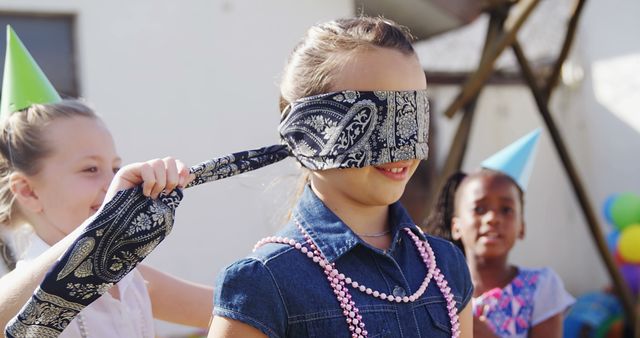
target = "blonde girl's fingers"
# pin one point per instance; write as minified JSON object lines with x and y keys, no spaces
{"x":186,"y":178}
{"x":183,"y":174}
{"x":172,"y":174}
{"x":148,"y":178}
{"x":160,"y":173}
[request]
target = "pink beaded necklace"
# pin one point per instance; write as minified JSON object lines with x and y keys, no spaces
{"x":339,"y":281}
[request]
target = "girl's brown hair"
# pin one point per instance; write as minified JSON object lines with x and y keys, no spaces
{"x":325,"y":48}
{"x":316,"y":60}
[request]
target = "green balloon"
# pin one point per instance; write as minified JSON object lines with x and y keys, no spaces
{"x":625,"y":210}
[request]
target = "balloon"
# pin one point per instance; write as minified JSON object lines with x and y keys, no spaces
{"x":625,"y":210}
{"x":616,"y":329}
{"x":618,"y":259}
{"x":592,"y":314}
{"x":631,"y":274}
{"x":629,"y":244}
{"x":606,"y":208}
{"x":612,"y":241}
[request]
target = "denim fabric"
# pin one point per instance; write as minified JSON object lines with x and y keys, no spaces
{"x":283,"y":293}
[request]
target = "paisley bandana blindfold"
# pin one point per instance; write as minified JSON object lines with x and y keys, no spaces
{"x":347,"y":129}
{"x":355,"y":129}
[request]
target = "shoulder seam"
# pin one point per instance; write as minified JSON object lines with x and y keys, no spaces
{"x":274,"y":281}
{"x":267,"y":258}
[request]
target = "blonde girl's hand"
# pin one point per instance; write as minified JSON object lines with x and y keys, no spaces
{"x":155,"y":176}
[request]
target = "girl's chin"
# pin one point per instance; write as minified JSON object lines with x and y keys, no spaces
{"x":389,"y":195}
{"x":489,"y":253}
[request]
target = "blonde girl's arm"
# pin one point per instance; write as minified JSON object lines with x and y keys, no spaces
{"x":222,"y":327}
{"x":177,"y":300}
{"x":17,"y":286}
{"x":466,"y":322}
{"x":172,"y":299}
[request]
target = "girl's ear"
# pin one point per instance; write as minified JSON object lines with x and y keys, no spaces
{"x":521,"y":233}
{"x":456,"y":232}
{"x":22,"y":189}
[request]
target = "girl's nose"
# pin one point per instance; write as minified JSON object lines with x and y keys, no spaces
{"x":492,"y":217}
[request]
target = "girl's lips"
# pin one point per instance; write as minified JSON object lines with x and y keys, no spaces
{"x":490,"y":238}
{"x":397,"y":173}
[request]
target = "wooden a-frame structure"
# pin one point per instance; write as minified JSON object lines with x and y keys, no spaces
{"x":506,"y":17}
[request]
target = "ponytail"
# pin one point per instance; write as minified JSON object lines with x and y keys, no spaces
{"x":7,"y":257}
{"x":439,"y":221}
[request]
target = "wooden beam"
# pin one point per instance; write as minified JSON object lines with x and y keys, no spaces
{"x":458,"y":78}
{"x":480,"y":76}
{"x":553,"y":78}
{"x":637,"y":329}
{"x":578,"y":188}
{"x":458,"y":146}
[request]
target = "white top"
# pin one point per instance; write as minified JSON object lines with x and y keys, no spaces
{"x":5,"y":246}
{"x":108,"y":317}
{"x":3,"y":269}
{"x":532,"y":297}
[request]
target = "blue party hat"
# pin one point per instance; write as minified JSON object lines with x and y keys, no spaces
{"x":516,"y":160}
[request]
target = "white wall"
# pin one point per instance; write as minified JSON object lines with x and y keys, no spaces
{"x":609,"y":33}
{"x":603,"y":145}
{"x":195,"y":79}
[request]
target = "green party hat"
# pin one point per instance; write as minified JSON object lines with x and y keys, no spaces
{"x":24,"y":83}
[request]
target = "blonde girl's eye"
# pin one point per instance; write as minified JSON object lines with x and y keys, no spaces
{"x":116,"y":169}
{"x":92,"y":169}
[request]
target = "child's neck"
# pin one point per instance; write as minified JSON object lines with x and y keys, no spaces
{"x":490,"y":273}
{"x":47,"y":232}
{"x":361,"y":218}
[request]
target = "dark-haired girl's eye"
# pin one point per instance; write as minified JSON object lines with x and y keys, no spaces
{"x":479,"y":210}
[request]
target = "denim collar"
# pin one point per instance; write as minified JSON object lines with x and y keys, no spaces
{"x":332,"y":236}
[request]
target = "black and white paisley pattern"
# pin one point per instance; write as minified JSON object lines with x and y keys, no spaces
{"x":237,"y":163}
{"x":348,"y":129}
{"x":354,"y":129}
{"x":103,"y":254}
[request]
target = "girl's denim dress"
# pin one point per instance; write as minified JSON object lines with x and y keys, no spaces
{"x":283,"y":293}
